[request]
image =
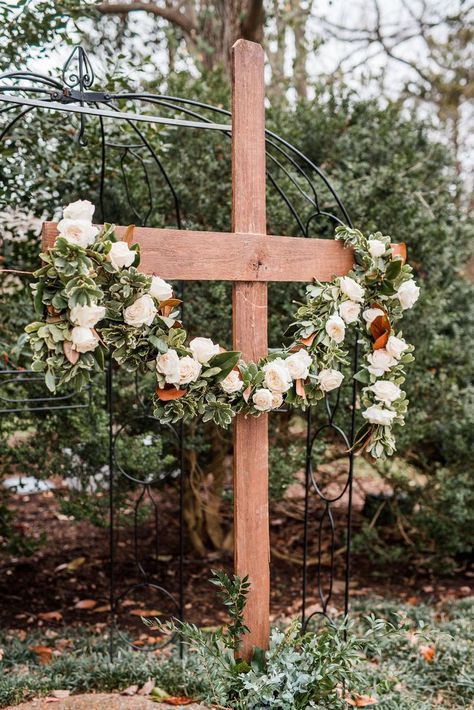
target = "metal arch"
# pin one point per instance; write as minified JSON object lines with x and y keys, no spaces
{"x":74,"y":95}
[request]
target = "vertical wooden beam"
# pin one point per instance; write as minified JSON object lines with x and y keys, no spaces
{"x":251,"y":524}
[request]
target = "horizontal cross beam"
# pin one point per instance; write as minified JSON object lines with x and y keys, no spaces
{"x":225,"y":256}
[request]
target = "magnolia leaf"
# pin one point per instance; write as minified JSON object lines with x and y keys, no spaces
{"x":167,"y":395}
{"x":400,"y":250}
{"x":300,"y":390}
{"x":72,"y":355}
{"x":128,"y":236}
{"x":380,"y":329}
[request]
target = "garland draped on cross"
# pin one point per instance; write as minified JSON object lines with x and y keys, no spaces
{"x":93,"y":302}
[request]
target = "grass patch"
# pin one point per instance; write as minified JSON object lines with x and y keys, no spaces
{"x":400,"y":677}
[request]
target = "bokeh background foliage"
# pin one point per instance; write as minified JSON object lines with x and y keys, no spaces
{"x":394,"y":173}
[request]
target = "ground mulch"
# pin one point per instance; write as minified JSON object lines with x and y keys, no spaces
{"x":100,"y":701}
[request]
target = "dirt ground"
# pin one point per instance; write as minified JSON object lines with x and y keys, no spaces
{"x":66,"y":580}
{"x":100,"y":701}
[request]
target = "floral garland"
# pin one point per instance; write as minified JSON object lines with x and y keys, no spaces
{"x":93,"y":301}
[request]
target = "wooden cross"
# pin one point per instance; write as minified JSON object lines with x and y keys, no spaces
{"x":249,"y":258}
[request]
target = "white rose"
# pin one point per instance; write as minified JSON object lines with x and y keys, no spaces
{"x":77,"y":231}
{"x":380,"y":361}
{"x":277,"y":400}
{"x":349,"y":311}
{"x":263,"y":400}
{"x":81,"y":209}
{"x":277,"y":377}
{"x":408,"y":294}
{"x":232,"y":383}
{"x":83,"y":339}
{"x":189,"y":370}
{"x":351,"y":288}
{"x":298,"y":364}
{"x":376,"y":247}
{"x":168,"y":365}
{"x":87,"y":316}
{"x":370,"y":314}
{"x":329,"y":380}
{"x":335,"y":328}
{"x":159,"y":289}
{"x":120,"y":255}
{"x":141,"y":312}
{"x":378,"y":415}
{"x":385,"y":391}
{"x":396,"y":346}
{"x":203,"y":349}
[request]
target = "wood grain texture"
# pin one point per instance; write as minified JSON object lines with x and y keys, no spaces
{"x":251,"y":519}
{"x":205,"y":256}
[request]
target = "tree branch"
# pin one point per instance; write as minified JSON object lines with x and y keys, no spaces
{"x":171,"y":14}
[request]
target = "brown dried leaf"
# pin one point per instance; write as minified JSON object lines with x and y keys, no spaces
{"x":70,"y":354}
{"x":85,"y":604}
{"x":308,"y":341}
{"x":50,"y":616}
{"x":167,"y":395}
{"x":400,"y":250}
{"x":427,"y":653}
{"x":44,"y":654}
{"x":299,"y":386}
{"x":361,"y":701}
{"x":145,"y":612}
{"x":380,"y":329}
{"x":128,"y":236}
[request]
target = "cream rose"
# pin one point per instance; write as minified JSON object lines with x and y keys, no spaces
{"x":380,"y":361}
{"x":370,"y":314}
{"x":189,"y":370}
{"x":329,"y":380}
{"x":351,"y":288}
{"x":168,"y":365}
{"x":376,"y":247}
{"x":232,"y":383}
{"x":81,"y":209}
{"x":160,"y":289}
{"x":87,"y":316}
{"x":83,"y":339}
{"x":77,"y":231}
{"x":349,"y":311}
{"x":203,"y":349}
{"x":277,"y":377}
{"x":336,"y":328}
{"x":408,"y":294}
{"x":141,"y":312}
{"x":277,"y":400}
{"x":385,"y":391}
{"x":298,"y":364}
{"x":378,"y":415}
{"x":396,"y":347}
{"x":263,"y":400}
{"x":120,"y":256}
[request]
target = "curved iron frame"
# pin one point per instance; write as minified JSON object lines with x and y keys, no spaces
{"x":27,"y":91}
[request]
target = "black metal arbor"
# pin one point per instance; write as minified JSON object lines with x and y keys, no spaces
{"x":23,"y":93}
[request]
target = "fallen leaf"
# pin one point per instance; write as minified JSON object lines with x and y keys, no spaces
{"x":50,"y":616}
{"x":175,"y":701}
{"x":166,"y":395}
{"x":73,"y":565}
{"x":102,"y":609}
{"x":44,"y":653}
{"x":52,"y":700}
{"x":145,"y":612}
{"x":147,"y":688}
{"x":427,"y":653}
{"x":85,"y":604}
{"x":131,"y":690}
{"x":361,"y":701}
